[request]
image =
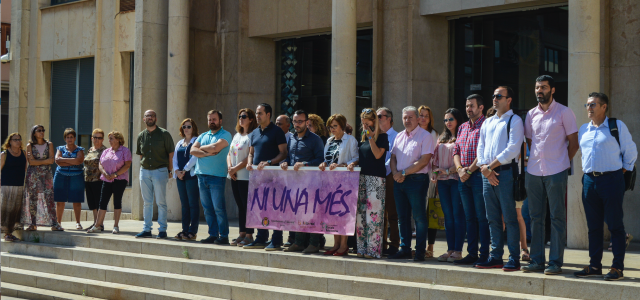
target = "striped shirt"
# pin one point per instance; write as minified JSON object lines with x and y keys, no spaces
{"x":467,"y":141}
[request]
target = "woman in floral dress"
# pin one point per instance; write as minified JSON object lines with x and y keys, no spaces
{"x":38,"y":208}
{"x":372,"y":187}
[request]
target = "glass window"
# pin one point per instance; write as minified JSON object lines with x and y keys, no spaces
{"x":510,"y":49}
{"x":304,"y":78}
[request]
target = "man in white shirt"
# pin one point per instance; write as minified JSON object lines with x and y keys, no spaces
{"x":497,"y":149}
{"x":385,"y":121}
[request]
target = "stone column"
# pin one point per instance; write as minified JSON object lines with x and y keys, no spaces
{"x":343,"y":59}
{"x":177,"y":82}
{"x":584,"y":77}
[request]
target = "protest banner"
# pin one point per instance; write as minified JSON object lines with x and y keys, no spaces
{"x":307,"y":200}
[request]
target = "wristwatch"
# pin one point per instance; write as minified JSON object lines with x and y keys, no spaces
{"x":304,"y":163}
{"x":269,"y":162}
{"x":403,"y":173}
{"x":489,"y":168}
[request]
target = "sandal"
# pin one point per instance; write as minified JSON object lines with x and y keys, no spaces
{"x":178,"y":236}
{"x":116,"y":230}
{"x":32,"y":228}
{"x":94,"y":229}
{"x":525,"y":255}
{"x":190,"y":237}
{"x":11,"y":238}
{"x":428,"y":254}
{"x":57,"y":228}
{"x":454,"y":256}
{"x":236,"y":241}
{"x":246,"y":241}
{"x":444,"y":257}
{"x":78,"y":226}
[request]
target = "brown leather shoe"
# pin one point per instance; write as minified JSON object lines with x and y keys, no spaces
{"x":294,"y":248}
{"x":311,"y":249}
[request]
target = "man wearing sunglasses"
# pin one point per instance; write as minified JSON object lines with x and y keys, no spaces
{"x":385,"y":121}
{"x":552,"y":137}
{"x":497,"y":148}
{"x":604,"y":161}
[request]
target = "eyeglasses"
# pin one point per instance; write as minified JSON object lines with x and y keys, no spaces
{"x":299,"y":121}
{"x":367,"y":111}
{"x":449,"y":120}
{"x":242,"y":117}
{"x":17,"y":140}
{"x":97,"y":137}
{"x":186,"y":126}
{"x":380,"y":116}
{"x":590,"y":105}
{"x":40,"y":130}
{"x":498,"y":96}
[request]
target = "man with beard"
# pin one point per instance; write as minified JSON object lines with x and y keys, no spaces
{"x":211,"y":149}
{"x":268,"y":148}
{"x":155,"y":147}
{"x":552,"y":137}
{"x":305,"y":149}
{"x":470,"y":187}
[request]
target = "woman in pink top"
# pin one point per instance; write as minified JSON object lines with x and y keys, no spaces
{"x":114,"y":166}
{"x":425,"y":120}
{"x":445,"y":174}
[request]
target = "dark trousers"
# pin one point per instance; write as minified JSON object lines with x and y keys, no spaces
{"x":115,"y":188}
{"x":602,"y":199}
{"x":410,"y":199}
{"x":240,"y":190}
{"x":476,"y":215}
{"x":190,"y":201}
{"x":390,"y":217}
{"x":93,"y":192}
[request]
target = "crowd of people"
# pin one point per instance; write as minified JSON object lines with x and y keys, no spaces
{"x":473,"y":167}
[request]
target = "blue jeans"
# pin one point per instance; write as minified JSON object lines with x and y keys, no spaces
{"x":190,"y":200}
{"x":499,"y":203}
{"x":213,"y":202}
{"x":454,"y":218}
{"x":153,"y":184}
{"x":410,"y":196}
{"x":602,"y":199}
{"x":263,"y":236}
{"x":526,"y":217}
{"x":539,"y":189}
{"x":476,"y":215}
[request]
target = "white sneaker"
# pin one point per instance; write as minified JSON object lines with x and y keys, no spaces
{"x":116,"y":230}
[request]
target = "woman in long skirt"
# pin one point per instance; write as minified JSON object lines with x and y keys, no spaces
{"x":14,"y":166}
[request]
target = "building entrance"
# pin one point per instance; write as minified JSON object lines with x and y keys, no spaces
{"x":510,"y":49}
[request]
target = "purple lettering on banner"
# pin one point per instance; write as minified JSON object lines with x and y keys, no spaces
{"x":307,"y":200}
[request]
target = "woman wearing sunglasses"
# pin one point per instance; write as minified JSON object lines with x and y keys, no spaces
{"x":425,"y":120}
{"x":187,"y":182}
{"x":238,"y":175}
{"x":39,"y":207}
{"x":445,"y":175}
{"x":14,"y":167}
{"x":92,"y":182}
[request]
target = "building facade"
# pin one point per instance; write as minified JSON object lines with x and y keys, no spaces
{"x":102,"y":63}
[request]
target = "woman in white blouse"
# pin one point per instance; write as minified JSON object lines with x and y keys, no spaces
{"x":341,"y":150}
{"x":238,"y":175}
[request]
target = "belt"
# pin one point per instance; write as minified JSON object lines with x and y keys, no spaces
{"x":504,"y":167}
{"x":596,"y":174}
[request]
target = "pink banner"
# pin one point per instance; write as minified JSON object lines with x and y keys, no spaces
{"x":308,"y":200}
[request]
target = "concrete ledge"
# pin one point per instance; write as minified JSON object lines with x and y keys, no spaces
{"x":32,"y":293}
{"x":87,"y":216}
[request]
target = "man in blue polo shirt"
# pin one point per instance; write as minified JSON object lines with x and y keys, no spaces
{"x":268,"y":148}
{"x":305,"y":149}
{"x":211,"y":149}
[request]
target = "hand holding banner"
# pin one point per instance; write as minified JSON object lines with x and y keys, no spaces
{"x":308,"y":200}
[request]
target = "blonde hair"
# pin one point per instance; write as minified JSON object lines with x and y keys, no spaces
{"x":7,"y":142}
{"x":118,"y":136}
{"x":318,"y":123}
{"x":371,"y":115}
{"x":97,"y":130}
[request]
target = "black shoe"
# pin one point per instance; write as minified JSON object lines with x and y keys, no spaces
{"x":210,"y":240}
{"x":480,"y":260}
{"x":161,"y":235}
{"x":402,"y":254}
{"x":467,"y":260}
{"x":418,"y":257}
{"x":290,"y":241}
{"x":614,"y":274}
{"x":588,"y":271}
{"x":144,"y":234}
{"x":221,"y":241}
{"x":491,"y":263}
{"x":323,"y":241}
{"x":390,"y":251}
{"x":512,"y":265}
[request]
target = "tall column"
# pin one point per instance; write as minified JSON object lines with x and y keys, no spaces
{"x":343,"y":59}
{"x":584,"y":77}
{"x":19,"y":68}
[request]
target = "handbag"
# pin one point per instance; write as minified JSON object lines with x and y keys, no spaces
{"x":435,"y":214}
{"x":629,"y":175}
{"x":519,"y":190}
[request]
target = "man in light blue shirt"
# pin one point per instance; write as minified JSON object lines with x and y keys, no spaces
{"x":211,"y":149}
{"x":385,"y":121}
{"x":604,"y":163}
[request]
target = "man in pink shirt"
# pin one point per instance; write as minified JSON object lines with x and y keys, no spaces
{"x":409,"y":163}
{"x":552,"y":135}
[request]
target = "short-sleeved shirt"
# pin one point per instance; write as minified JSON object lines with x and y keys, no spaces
{"x":467,"y":141}
{"x":265,"y":143}
{"x":369,"y":164}
{"x":70,"y":170}
{"x":215,"y":165}
{"x":238,"y":152}
{"x":409,"y":147}
{"x":112,"y":161}
{"x":155,"y":147}
{"x":91,"y":163}
{"x":548,"y":131}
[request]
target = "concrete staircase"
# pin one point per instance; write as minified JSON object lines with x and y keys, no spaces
{"x":67,"y":265}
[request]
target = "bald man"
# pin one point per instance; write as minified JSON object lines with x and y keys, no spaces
{"x":155,"y":147}
{"x":284,"y":122}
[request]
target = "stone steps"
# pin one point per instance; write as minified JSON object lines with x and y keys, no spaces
{"x":86,"y":216}
{"x":15,"y":291}
{"x":152,"y":255}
